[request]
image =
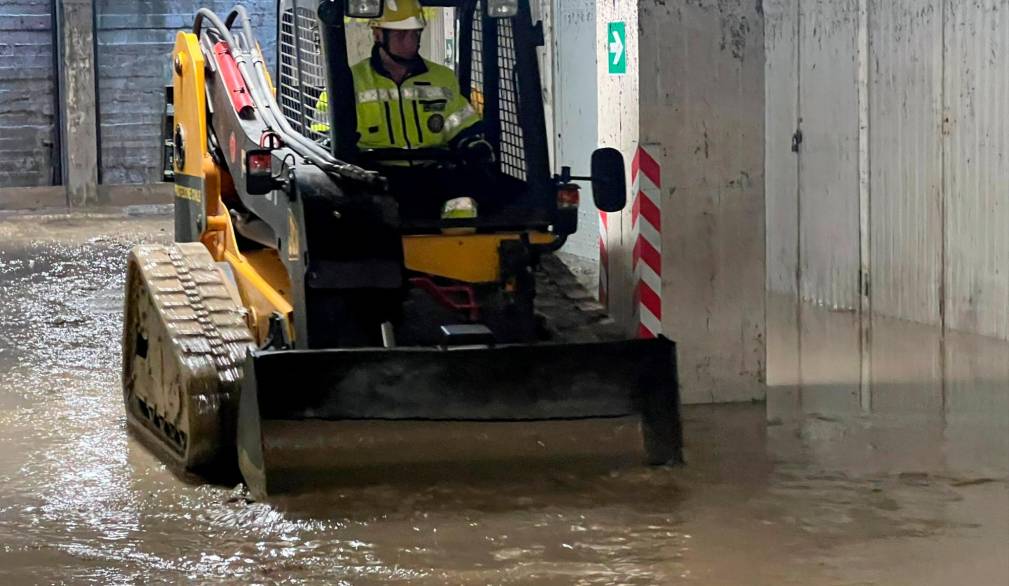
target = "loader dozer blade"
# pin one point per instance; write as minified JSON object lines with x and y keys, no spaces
{"x":304,"y":414}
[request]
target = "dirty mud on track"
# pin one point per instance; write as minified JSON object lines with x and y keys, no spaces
{"x":813,"y":498}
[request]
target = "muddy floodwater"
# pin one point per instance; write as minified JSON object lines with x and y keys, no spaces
{"x":808,"y":490}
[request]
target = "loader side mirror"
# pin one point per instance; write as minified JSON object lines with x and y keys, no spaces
{"x":365,"y":8}
{"x":609,"y":184}
{"x":259,"y":179}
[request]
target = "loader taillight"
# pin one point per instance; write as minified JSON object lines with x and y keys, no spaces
{"x":568,"y":196}
{"x":261,"y":162}
{"x":259,"y":179}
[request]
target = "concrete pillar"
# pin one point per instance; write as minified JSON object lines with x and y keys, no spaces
{"x":79,"y":114}
{"x":702,"y":106}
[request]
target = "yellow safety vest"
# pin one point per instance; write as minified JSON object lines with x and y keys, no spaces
{"x":426,"y":111}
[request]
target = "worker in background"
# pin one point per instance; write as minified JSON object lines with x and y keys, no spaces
{"x":405,"y":101}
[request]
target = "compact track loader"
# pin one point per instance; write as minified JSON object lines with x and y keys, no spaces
{"x":320,"y":311}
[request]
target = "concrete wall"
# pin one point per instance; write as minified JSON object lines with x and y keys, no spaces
{"x":701,"y":92}
{"x":577,"y":99}
{"x":693,"y":92}
{"x":890,"y":216}
{"x":590,"y":108}
{"x":618,"y":127}
{"x":135,"y":41}
{"x":976,"y":182}
{"x":78,"y":108}
{"x":28,"y":131}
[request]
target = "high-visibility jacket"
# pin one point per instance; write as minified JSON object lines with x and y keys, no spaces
{"x":426,"y":110}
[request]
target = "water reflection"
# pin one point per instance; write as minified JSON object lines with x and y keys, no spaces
{"x":821,"y":488}
{"x":911,"y":398}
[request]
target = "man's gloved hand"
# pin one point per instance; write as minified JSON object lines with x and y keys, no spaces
{"x":477,"y":151}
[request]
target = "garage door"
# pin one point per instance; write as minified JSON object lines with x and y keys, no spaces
{"x":27,"y":89}
{"x":135,"y":41}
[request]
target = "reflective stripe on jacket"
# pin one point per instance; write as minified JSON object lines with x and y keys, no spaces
{"x":426,"y":111}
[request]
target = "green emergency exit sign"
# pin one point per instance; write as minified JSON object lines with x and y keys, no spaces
{"x":616,"y":41}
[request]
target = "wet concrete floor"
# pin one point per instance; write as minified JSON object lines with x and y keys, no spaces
{"x":812,"y":489}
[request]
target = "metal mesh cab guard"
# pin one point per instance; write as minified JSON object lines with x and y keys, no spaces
{"x":499,"y":74}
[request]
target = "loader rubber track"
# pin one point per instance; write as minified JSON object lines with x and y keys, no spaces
{"x":185,"y":339}
{"x":571,"y":314}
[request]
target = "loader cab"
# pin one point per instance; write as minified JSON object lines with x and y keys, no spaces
{"x":495,"y":61}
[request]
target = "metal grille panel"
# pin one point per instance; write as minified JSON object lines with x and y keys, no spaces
{"x":302,"y":79}
{"x":511,"y":140}
{"x":512,"y":146}
{"x":302,"y":72}
{"x":476,"y":85}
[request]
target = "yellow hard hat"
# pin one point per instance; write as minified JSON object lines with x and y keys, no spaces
{"x":401,"y":15}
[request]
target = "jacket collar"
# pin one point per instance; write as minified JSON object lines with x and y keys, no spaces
{"x":418,"y":67}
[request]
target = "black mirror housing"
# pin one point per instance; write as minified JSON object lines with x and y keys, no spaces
{"x":609,"y":180}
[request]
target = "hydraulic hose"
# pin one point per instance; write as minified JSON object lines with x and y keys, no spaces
{"x":240,"y":12}
{"x":262,"y":81}
{"x":263,"y":97}
{"x":223,"y":29}
{"x":207,"y":14}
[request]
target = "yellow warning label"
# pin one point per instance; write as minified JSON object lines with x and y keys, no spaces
{"x":188,"y":193}
{"x":293,"y":242}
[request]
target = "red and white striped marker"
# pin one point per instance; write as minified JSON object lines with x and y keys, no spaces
{"x":604,"y":260}
{"x":646,"y":221}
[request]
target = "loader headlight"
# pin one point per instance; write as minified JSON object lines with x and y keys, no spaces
{"x":502,"y":8}
{"x":460,"y":208}
{"x":365,"y":8}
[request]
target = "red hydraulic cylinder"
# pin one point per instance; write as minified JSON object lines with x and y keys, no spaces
{"x":233,"y":80}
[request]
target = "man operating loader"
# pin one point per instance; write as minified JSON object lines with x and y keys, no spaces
{"x":405,"y":101}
